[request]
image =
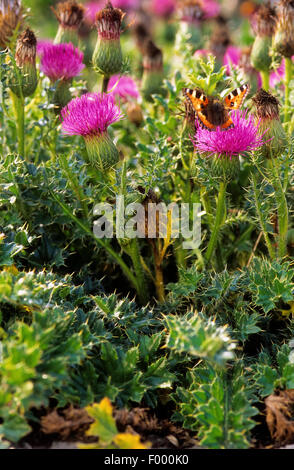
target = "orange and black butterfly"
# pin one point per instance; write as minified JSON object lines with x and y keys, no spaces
{"x":211,"y":111}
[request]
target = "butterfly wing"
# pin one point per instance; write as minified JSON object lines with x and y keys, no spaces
{"x":235,"y":99}
{"x":199,"y":101}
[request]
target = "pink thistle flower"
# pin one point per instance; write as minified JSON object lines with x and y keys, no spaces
{"x":243,"y":138}
{"x":211,"y":9}
{"x":201,"y":53}
{"x":232,"y":57}
{"x":278,"y":75}
{"x":91,"y":9}
{"x":126,"y":5}
{"x":123,"y":87}
{"x":193,"y":11}
{"x":89,"y":115}
{"x":42,"y":44}
{"x":163,"y":8}
{"x":61,"y":61}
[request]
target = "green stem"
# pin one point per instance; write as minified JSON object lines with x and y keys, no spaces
{"x":265,"y":79}
{"x":220,"y":211}
{"x":73,"y":180}
{"x":20,"y":122}
{"x":260,"y":218}
{"x":206,"y":206}
{"x":134,"y":253}
{"x":105,"y":84}
{"x":282,"y":207}
{"x":288,"y":76}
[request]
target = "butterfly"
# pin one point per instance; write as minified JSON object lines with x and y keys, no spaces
{"x":211,"y":111}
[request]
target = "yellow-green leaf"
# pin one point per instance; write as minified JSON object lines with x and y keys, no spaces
{"x":104,"y":425}
{"x":129,"y":441}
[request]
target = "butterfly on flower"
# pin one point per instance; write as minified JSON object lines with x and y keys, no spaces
{"x":211,"y":111}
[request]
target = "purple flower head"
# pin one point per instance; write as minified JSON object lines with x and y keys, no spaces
{"x":242,"y":138}
{"x":123,"y":87}
{"x":125,"y":4}
{"x":42,"y":44}
{"x":211,"y":9}
{"x":194,"y":11}
{"x":163,"y":8}
{"x":89,"y":115}
{"x":231,"y":57}
{"x":91,"y":9}
{"x":61,"y":61}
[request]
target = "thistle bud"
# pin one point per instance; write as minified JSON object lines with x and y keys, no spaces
{"x":10,"y":18}
{"x":26,"y":81}
{"x":263,"y":25}
{"x":107,"y":57}
{"x":225,"y":167}
{"x":69,"y":16}
{"x":142,"y":35}
{"x":267,"y":114}
{"x":101,"y":151}
{"x":153,"y":71}
{"x":283,"y":42}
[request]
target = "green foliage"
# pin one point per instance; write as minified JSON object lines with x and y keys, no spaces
{"x":217,"y":404}
{"x":270,"y":376}
{"x":198,"y":337}
{"x":271,"y":283}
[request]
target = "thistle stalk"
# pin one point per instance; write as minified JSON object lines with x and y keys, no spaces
{"x":265,"y":77}
{"x":220,"y":211}
{"x":18,"y":104}
{"x":282,"y":208}
{"x":134,"y":252}
{"x":260,"y":218}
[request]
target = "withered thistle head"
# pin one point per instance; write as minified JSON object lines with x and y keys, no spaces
{"x":267,"y":105}
{"x":153,"y":58}
{"x":107,"y":56}
{"x":10,"y":18}
{"x":264,"y":20}
{"x":284,"y":35}
{"x":267,"y":115}
{"x":108,"y":22}
{"x":26,"y":48}
{"x":69,"y":14}
{"x":25,"y":81}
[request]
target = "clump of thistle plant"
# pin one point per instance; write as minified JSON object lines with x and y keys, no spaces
{"x":61,"y":63}
{"x":90,"y":116}
{"x":10,"y":18}
{"x":224,"y":148}
{"x":107,"y":57}
{"x":263,"y":25}
{"x":70,"y":15}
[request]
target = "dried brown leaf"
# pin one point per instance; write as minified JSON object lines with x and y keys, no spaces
{"x":72,"y":420}
{"x":279,"y":416}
